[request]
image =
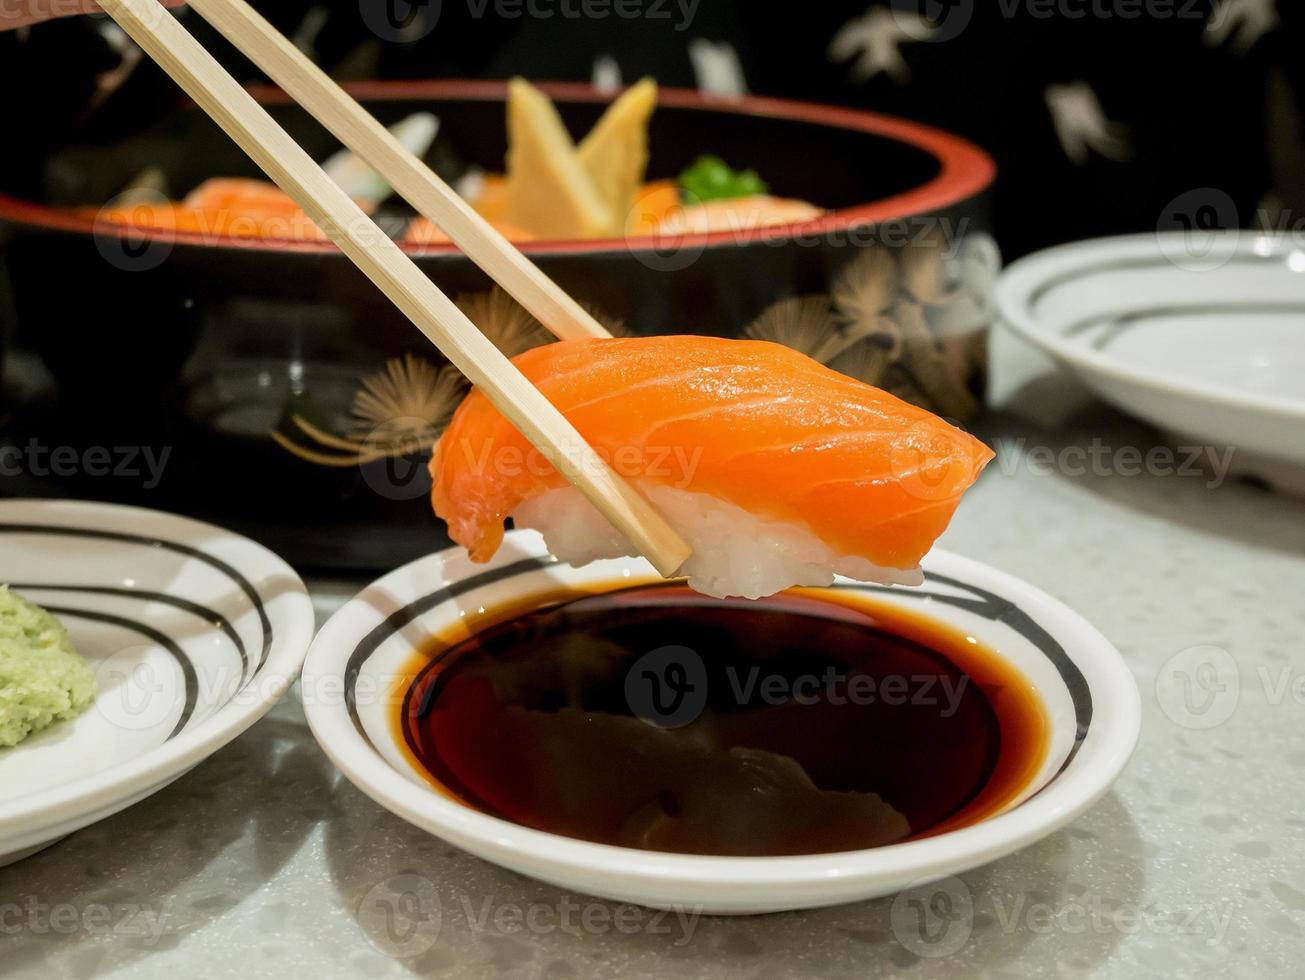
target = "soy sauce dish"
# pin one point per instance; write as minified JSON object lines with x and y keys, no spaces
{"x":616,"y":734}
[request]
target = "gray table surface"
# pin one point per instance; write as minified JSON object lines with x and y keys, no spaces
{"x":264,"y":861}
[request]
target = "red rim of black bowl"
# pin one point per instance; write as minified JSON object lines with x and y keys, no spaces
{"x":964,"y":171}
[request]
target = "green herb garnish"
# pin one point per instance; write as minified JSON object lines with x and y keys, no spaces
{"x":711,"y":179}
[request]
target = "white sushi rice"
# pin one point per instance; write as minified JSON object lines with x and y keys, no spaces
{"x":735,"y":553}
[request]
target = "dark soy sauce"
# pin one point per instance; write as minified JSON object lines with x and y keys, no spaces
{"x":657,"y":718}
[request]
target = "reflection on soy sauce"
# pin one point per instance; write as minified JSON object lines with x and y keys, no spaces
{"x":657,"y":718}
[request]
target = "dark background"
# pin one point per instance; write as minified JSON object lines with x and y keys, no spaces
{"x":1188,"y":114}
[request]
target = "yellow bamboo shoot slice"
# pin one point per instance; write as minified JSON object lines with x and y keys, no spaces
{"x":615,"y":153}
{"x":548,"y":192}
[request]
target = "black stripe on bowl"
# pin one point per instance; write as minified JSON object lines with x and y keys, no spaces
{"x":241,"y":582}
{"x":398,"y":620}
{"x":1113,"y":325}
{"x":163,"y":640}
{"x":998,"y":610}
{"x":979,"y":601}
{"x":194,"y":608}
{"x":1039,"y":292}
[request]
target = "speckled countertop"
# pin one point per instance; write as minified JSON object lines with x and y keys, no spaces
{"x":265,"y":862}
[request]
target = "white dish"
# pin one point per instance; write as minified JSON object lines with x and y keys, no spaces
{"x":1202,"y":335}
{"x":349,"y":691}
{"x":193,"y":632}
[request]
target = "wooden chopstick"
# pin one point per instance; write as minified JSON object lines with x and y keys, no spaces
{"x":360,"y":131}
{"x":197,"y":72}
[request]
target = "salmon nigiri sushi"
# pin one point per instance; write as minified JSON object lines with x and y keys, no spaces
{"x":777,"y":470}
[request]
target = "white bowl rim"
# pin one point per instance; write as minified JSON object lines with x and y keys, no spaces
{"x":26,"y":814}
{"x":1025,"y":275}
{"x":1071,"y":793}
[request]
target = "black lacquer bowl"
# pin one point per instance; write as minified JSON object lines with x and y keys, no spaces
{"x":198,"y":345}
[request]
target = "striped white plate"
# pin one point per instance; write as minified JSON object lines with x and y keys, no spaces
{"x":1200,"y":333}
{"x":359,"y":656}
{"x":193,"y":632}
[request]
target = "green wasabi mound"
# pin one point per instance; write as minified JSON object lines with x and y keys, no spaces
{"x":42,"y":678}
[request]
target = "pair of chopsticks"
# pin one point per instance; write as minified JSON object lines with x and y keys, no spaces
{"x":159,"y":34}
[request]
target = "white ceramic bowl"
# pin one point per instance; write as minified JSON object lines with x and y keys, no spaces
{"x":1089,"y":694}
{"x":193,"y":632}
{"x":1202,"y":334}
